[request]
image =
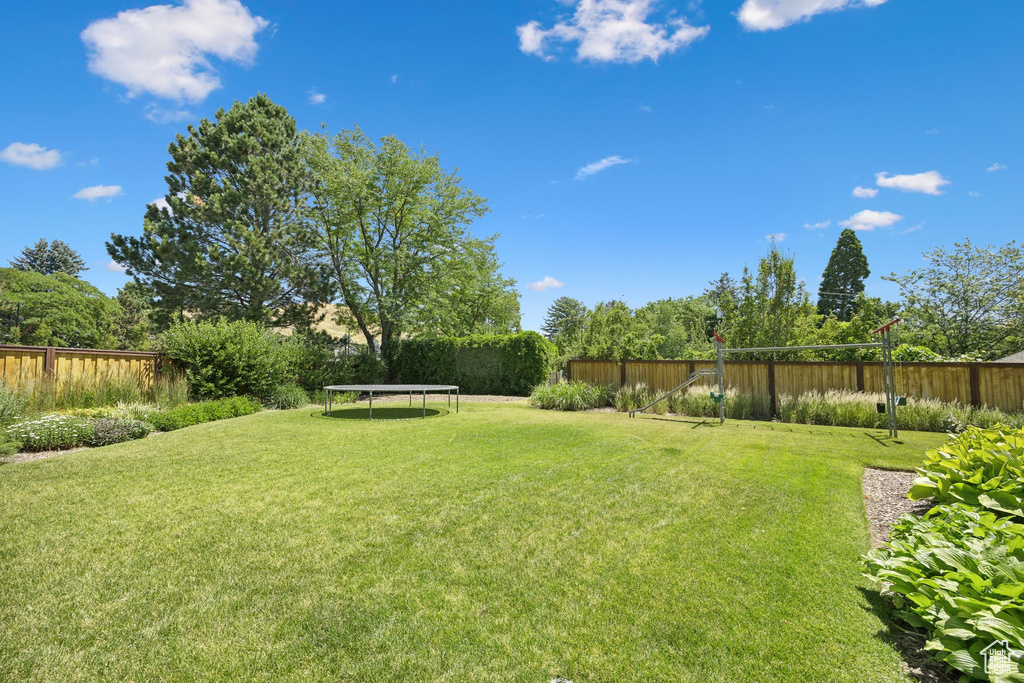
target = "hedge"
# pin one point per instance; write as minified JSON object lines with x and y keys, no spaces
{"x":504,"y":365}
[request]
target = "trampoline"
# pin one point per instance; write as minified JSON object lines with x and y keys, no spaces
{"x":410,"y":389}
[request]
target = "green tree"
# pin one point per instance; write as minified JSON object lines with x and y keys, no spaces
{"x":391,"y":226}
{"x":613,"y":331}
{"x":843,"y":279}
{"x":134,"y":328}
{"x":967,"y":300}
{"x":564,"y":318}
{"x":48,"y":258}
{"x":773,"y":307}
{"x":477,"y":299}
{"x":233,"y":242}
{"x":55,"y":310}
{"x":684,"y":326}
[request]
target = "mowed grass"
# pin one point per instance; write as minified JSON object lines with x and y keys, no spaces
{"x":503,"y":543}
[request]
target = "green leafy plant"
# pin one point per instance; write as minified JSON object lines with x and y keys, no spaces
{"x":12,"y":402}
{"x":571,"y":396}
{"x":108,"y":430}
{"x":287,"y":397}
{"x":958,"y":573}
{"x":51,"y":433}
{"x":981,"y":468}
{"x":507,"y":365}
{"x":208,"y":411}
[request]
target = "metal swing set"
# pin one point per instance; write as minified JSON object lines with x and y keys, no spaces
{"x":888,"y":372}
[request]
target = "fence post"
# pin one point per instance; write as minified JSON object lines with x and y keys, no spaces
{"x":773,"y":401}
{"x":975,"y":385}
{"x":568,"y":371}
{"x":860,"y":377}
{"x":50,"y":360}
{"x":622,"y":373}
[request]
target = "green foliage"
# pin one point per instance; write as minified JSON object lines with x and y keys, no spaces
{"x":613,"y":331}
{"x":208,"y":411}
{"x":12,"y":401}
{"x":233,"y":242}
{"x":108,"y":430}
{"x":133,"y":326}
{"x":908,"y":353}
{"x":229,"y":358}
{"x":509,"y":365}
{"x":288,"y":396}
{"x":696,"y":401}
{"x":843,"y":279}
{"x":632,"y":397}
{"x":564,"y":320}
{"x":49,"y":258}
{"x":575,"y":395}
{"x":48,"y":393}
{"x":51,"y":432}
{"x":981,"y":468}
{"x":681,"y":327}
{"x":391,"y":227}
{"x":959,"y":573}
{"x":56,"y":310}
{"x":968,"y":299}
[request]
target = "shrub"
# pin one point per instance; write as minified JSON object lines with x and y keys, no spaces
{"x":510,"y":365}
{"x":8,"y":447}
{"x":51,"y":433}
{"x":981,"y":467}
{"x":12,"y":401}
{"x":575,"y":395}
{"x":208,"y":411}
{"x":108,"y":430}
{"x":958,"y":573}
{"x":228,"y":358}
{"x":288,"y":396}
{"x":633,"y":397}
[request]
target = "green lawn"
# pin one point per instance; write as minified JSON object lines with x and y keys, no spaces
{"x":503,"y":543}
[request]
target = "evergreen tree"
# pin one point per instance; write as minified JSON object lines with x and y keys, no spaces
{"x":843,"y":279}
{"x":48,"y":258}
{"x":234,"y":241}
{"x":564,"y":315}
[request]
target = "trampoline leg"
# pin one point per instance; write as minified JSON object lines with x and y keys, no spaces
{"x":456,"y":401}
{"x":424,"y":405}
{"x":410,"y":399}
{"x":449,"y":398}
{"x":371,"y":405}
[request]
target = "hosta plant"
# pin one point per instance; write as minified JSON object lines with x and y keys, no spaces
{"x":980,"y":467}
{"x":958,"y":572}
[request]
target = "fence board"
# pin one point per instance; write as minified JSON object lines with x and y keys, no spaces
{"x":998,"y":385}
{"x":27,"y":364}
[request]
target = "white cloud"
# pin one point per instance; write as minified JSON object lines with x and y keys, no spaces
{"x":317,"y":97}
{"x":973,"y":193}
{"x":913,"y":228}
{"x":531,"y":216}
{"x":164,"y":49}
{"x":818,"y":226}
{"x":997,"y":167}
{"x":547,"y":283}
{"x":115,"y":267}
{"x":31,"y":155}
{"x":869,"y":220}
{"x":160,"y":203}
{"x":95,"y":192}
{"x":611,"y":31}
{"x":598,"y":166}
{"x":776,"y":237}
{"x":645,"y":108}
{"x":927,"y":183}
{"x":158,"y":114}
{"x":864,"y":192}
{"x":394,"y":78}
{"x":770,"y":15}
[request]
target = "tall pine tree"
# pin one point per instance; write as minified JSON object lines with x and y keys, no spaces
{"x":233,"y":242}
{"x":843,"y":278}
{"x":49,"y":258}
{"x":565,"y":315}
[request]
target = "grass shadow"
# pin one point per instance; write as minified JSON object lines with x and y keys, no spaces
{"x":919,"y":664}
{"x":381,"y":413}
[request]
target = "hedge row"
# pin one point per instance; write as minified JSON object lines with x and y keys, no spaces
{"x":505,"y":365}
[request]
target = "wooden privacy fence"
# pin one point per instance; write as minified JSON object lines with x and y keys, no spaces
{"x":996,"y":385}
{"x":21,"y":365}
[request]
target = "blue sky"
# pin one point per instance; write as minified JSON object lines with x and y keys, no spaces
{"x":629,"y":148}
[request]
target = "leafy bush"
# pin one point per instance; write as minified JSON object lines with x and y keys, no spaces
{"x":196,"y":413}
{"x":508,"y":365}
{"x":959,"y":573}
{"x":108,"y":430}
{"x":9,"y":447}
{"x":51,"y":433}
{"x":228,"y":358}
{"x":12,"y":401}
{"x":287,"y":397}
{"x":571,"y":396}
{"x":981,"y":467}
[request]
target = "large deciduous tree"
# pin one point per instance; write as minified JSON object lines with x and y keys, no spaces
{"x":391,"y":226}
{"x":843,"y":279}
{"x":967,"y":300}
{"x":55,"y":310}
{"x":231,"y":241}
{"x":48,"y":258}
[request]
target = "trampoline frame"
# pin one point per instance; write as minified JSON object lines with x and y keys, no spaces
{"x":411,"y":389}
